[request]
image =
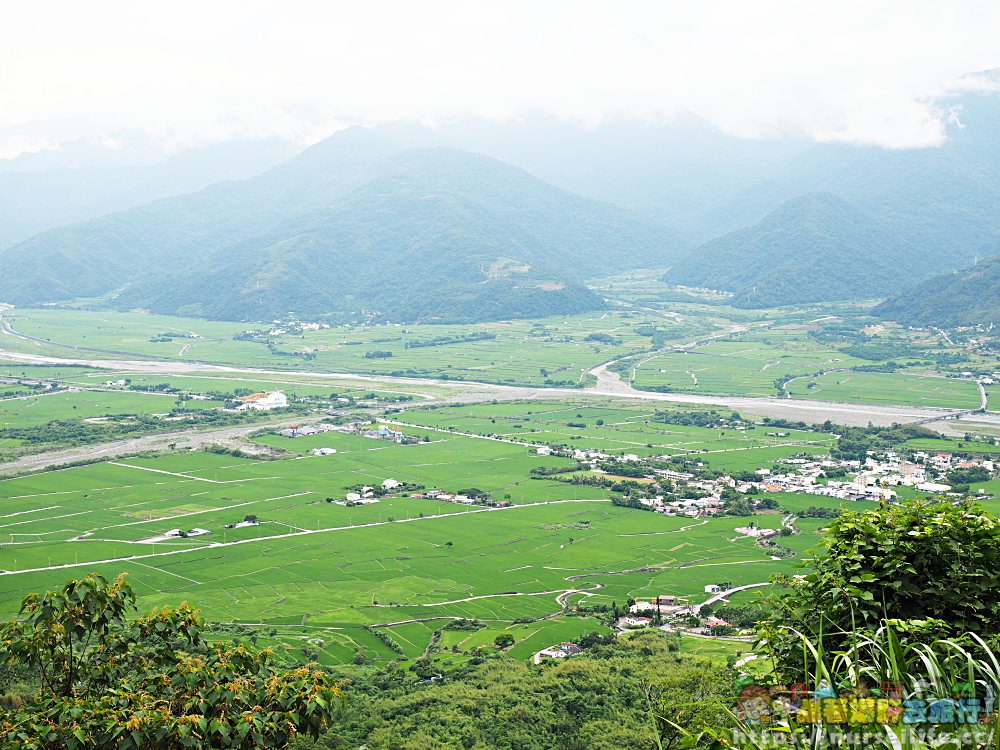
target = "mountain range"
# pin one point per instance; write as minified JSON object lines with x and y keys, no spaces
{"x":481,"y":221}
{"x":352,"y":225}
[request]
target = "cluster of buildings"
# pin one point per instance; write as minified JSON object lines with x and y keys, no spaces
{"x":367,"y":495}
{"x":872,"y":479}
{"x":460,"y":499}
{"x":294,"y":327}
{"x":392,"y":433}
{"x":297,"y":431}
{"x":648,"y":612}
{"x":990,"y":379}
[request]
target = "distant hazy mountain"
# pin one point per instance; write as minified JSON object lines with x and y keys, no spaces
{"x":52,"y":188}
{"x":675,"y":171}
{"x":815,"y":248}
{"x":350,"y":225}
{"x":960,"y":298}
{"x":940,"y":202}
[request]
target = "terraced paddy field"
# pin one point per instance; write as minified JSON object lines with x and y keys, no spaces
{"x":311,"y":574}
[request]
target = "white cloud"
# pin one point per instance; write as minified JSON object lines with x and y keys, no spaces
{"x":195,"y":72}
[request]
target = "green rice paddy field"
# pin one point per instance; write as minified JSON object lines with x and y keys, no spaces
{"x":549,"y":351}
{"x":748,"y":365}
{"x":918,"y":389}
{"x":751,"y":363}
{"x":622,"y":431}
{"x":315,"y":573}
{"x":32,"y":411}
{"x":557,"y":350}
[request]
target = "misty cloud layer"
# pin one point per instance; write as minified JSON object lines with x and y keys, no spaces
{"x":193,"y":73}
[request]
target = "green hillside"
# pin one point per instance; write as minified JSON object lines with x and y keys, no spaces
{"x":349,"y":226}
{"x":963,"y":298}
{"x":814,"y":248}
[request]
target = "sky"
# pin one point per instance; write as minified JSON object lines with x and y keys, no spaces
{"x":192,"y":73}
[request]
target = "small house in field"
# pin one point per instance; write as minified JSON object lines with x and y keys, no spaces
{"x":561,"y":651}
{"x":716,"y":623}
{"x":263,"y":401}
{"x":713,"y":588}
{"x":636,"y":621}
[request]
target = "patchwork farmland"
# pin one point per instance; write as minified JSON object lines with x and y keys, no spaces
{"x":312,"y":569}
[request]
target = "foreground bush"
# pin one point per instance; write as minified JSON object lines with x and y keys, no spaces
{"x":104,"y":681}
{"x":601,"y":699}
{"x":909,"y":563}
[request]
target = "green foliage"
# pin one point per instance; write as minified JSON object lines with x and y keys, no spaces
{"x":885,"y":691}
{"x":735,"y":504}
{"x":904,"y":563}
{"x":107,"y":681}
{"x":603,"y":338}
{"x":738,"y":615}
{"x":449,"y":340}
{"x":968,"y":476}
{"x":963,"y":298}
{"x":855,"y":442}
{"x":697,"y":418}
{"x":878,"y":351}
{"x":819,"y":512}
{"x":599,"y":700}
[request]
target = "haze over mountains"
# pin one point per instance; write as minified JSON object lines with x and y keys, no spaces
{"x":406,"y":222}
{"x":83,"y":180}
{"x":350,"y":225}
